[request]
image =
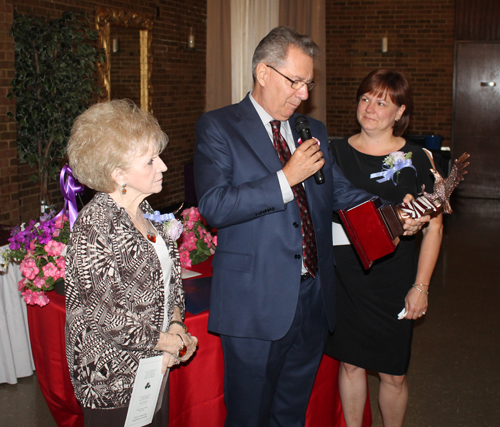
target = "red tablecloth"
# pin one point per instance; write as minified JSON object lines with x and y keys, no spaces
{"x":196,"y":388}
{"x":46,"y":326}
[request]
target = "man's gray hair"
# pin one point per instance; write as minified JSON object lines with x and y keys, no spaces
{"x":273,"y":48}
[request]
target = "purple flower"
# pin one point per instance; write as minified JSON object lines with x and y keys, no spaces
{"x":14,"y":245}
{"x":47,"y":263}
{"x":47,"y":226}
{"x":15,"y":230}
{"x":47,"y":216}
{"x":44,"y":238}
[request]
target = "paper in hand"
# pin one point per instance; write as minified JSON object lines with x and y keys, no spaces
{"x":402,"y":314}
{"x":147,"y":386}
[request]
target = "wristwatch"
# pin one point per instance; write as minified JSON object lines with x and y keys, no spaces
{"x":183,"y":350}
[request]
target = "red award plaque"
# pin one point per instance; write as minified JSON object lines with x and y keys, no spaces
{"x":374,"y":229}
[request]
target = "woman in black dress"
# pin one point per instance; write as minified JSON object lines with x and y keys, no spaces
{"x":372,"y":331}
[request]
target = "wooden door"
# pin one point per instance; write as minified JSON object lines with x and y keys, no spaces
{"x":476,"y":118}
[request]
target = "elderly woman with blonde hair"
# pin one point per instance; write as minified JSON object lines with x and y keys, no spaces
{"x":124,"y":296}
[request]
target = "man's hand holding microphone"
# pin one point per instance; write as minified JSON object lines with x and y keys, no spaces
{"x":307,"y":159}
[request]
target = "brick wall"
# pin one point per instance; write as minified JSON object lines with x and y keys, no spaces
{"x":178,"y":82}
{"x":9,"y":186}
{"x":126,"y":70}
{"x":420,"y":40}
{"x":420,"y":43}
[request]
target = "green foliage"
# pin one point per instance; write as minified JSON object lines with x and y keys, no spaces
{"x":202,"y":251}
{"x":55,"y":62}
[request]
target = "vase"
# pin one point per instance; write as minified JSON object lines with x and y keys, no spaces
{"x":59,"y":287}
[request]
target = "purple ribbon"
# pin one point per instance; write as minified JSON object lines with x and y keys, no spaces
{"x":157,"y":217}
{"x":388,"y":173}
{"x":70,"y":187}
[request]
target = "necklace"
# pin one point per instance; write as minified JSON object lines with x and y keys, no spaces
{"x":151,"y":235}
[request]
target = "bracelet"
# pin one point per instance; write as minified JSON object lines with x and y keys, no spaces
{"x":421,"y":284}
{"x":420,"y":290}
{"x":183,"y":350}
{"x":182,"y":325}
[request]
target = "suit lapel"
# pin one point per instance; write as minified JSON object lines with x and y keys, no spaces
{"x":256,"y":135}
{"x":291,"y":122}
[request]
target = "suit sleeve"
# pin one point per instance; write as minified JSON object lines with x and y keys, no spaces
{"x":231,"y":188}
{"x":345,"y":194}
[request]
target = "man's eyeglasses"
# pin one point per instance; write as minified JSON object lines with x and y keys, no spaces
{"x":296,"y":84}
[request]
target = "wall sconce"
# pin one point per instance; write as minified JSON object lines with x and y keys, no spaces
{"x":116,"y":45}
{"x":191,"y":39}
{"x":384,"y":44}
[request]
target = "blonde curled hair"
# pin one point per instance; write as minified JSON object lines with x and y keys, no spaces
{"x":108,"y":136}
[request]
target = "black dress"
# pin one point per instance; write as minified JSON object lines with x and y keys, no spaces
{"x":368,"y":333}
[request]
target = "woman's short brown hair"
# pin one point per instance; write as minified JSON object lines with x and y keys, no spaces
{"x":107,"y":136}
{"x":396,"y":86}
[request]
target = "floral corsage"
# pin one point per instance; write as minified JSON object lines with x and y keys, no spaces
{"x":172,"y":226}
{"x":392,"y":166}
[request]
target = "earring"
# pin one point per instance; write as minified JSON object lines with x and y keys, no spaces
{"x":396,"y":120}
{"x":124,"y":189}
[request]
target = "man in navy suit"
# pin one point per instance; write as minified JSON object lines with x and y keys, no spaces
{"x":271,"y":310}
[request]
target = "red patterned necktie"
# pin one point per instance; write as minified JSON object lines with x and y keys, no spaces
{"x":309,"y":251}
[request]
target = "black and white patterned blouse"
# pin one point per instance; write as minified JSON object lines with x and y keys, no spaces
{"x":114,"y":301}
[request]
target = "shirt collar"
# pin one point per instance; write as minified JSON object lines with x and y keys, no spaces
{"x":265,"y":116}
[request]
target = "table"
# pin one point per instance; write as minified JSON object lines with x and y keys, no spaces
{"x":48,"y":347}
{"x":15,"y":351}
{"x":196,"y":388}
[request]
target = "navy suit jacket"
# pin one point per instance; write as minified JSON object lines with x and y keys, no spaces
{"x":257,"y":264}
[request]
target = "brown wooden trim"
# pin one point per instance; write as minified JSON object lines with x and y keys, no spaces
{"x":477,"y":20}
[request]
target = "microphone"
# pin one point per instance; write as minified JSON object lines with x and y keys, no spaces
{"x":304,"y":130}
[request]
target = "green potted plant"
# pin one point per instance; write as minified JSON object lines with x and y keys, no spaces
{"x":55,"y":67}
{"x":198,"y":240}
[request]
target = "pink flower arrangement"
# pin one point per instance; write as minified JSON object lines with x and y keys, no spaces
{"x":198,"y":242}
{"x":40,"y":249}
